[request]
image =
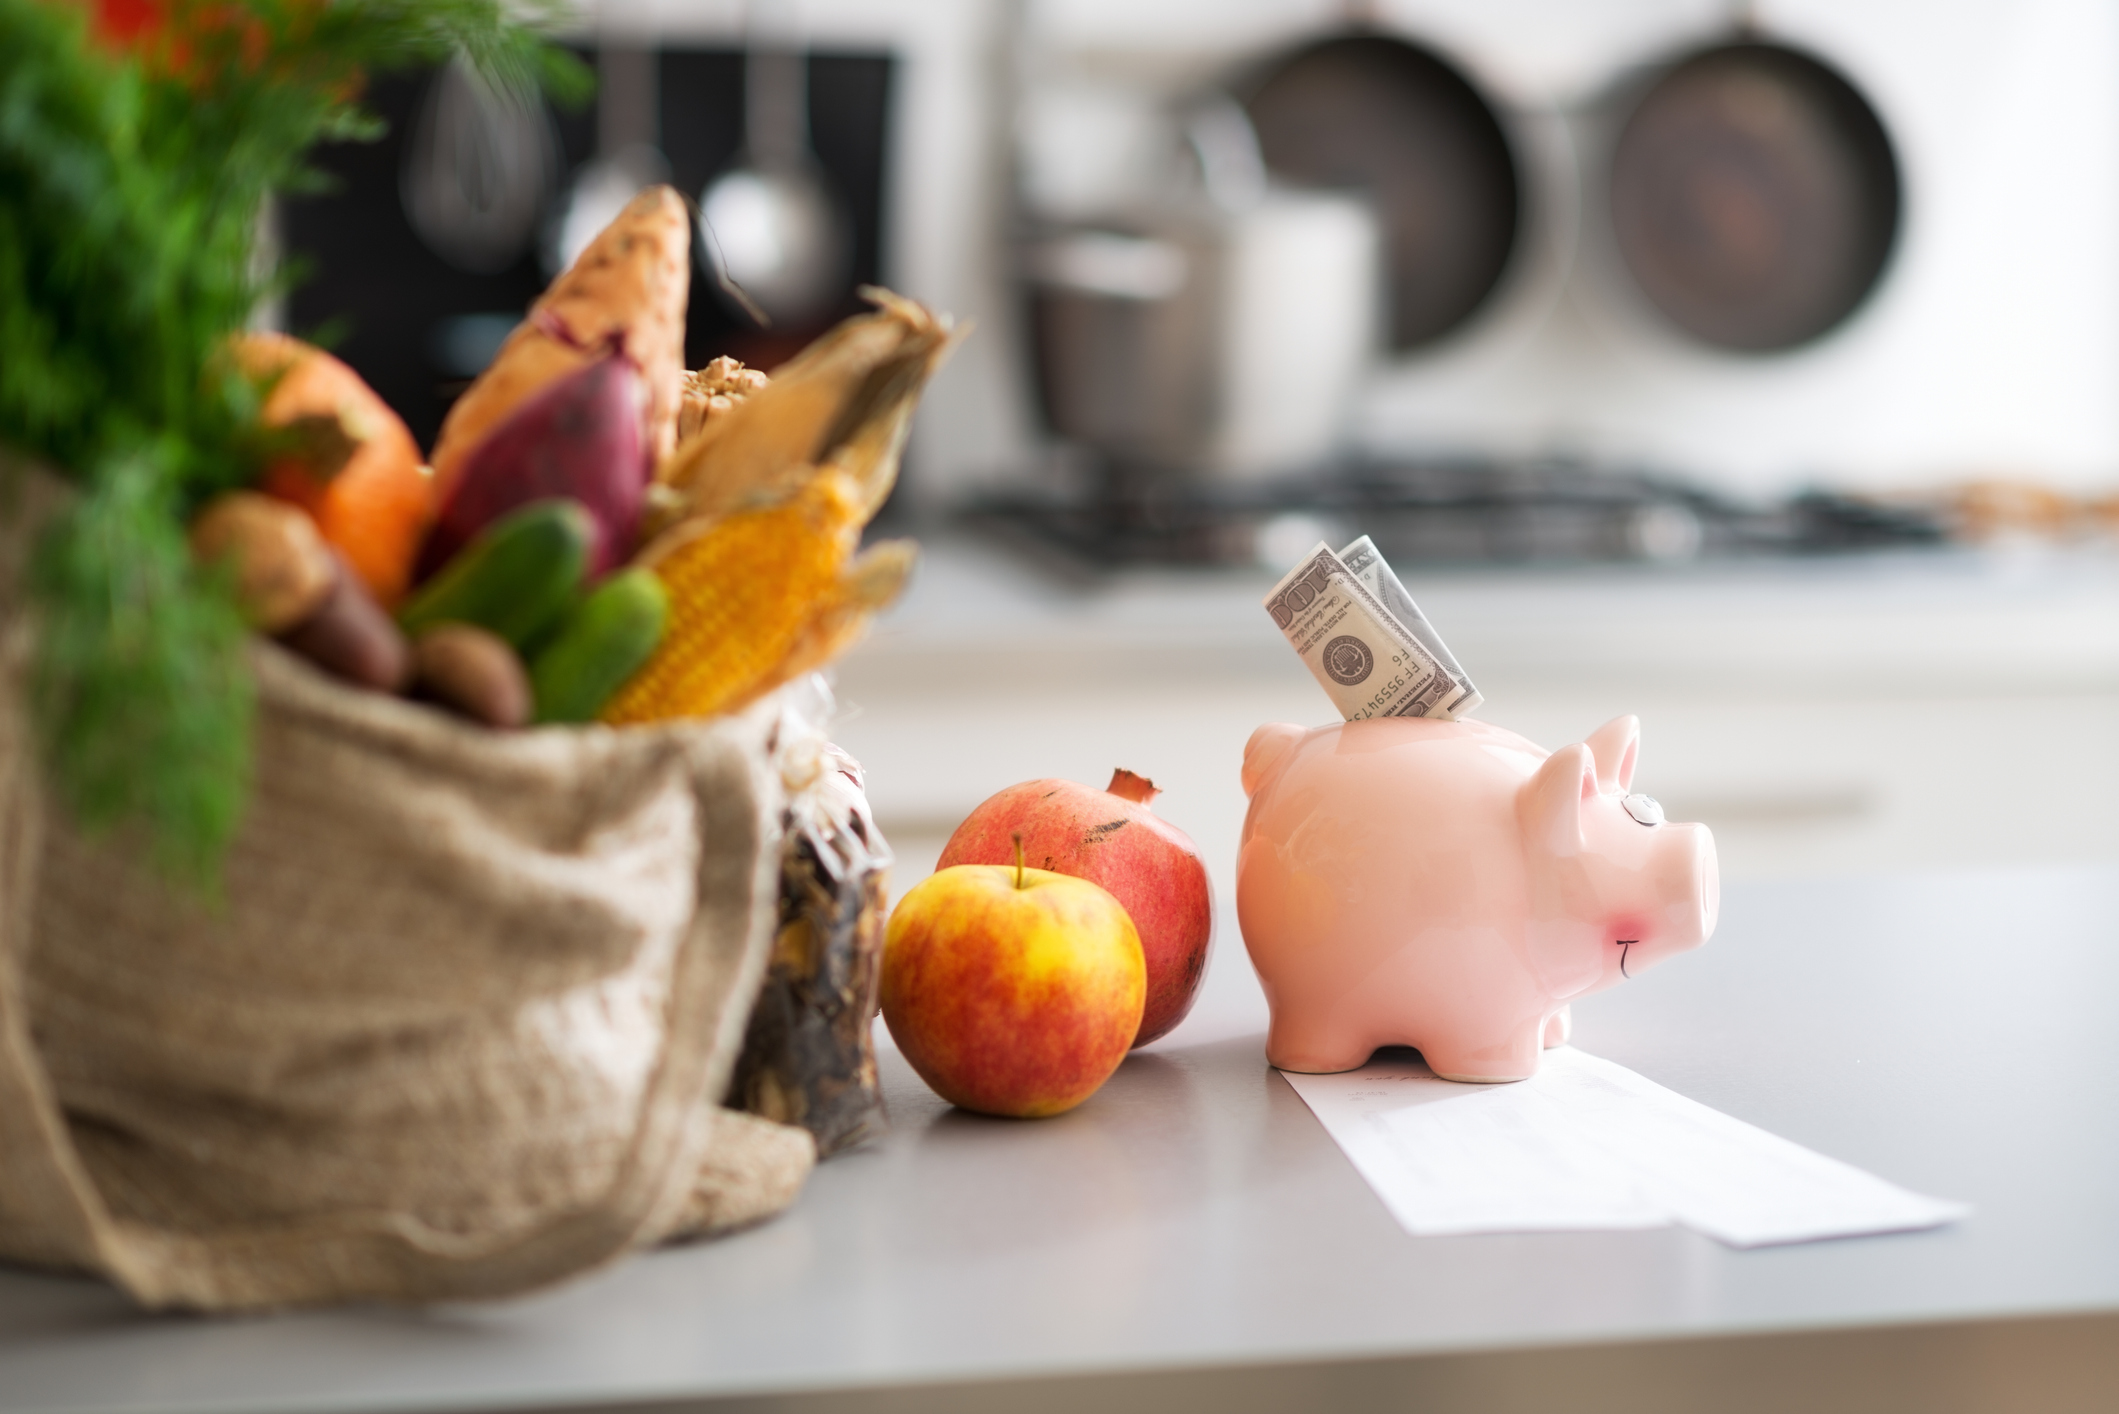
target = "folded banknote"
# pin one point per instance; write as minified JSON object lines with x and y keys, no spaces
{"x":1368,"y":663}
{"x":1375,"y":575}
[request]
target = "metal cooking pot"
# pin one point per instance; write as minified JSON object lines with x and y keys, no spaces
{"x":1220,"y":334}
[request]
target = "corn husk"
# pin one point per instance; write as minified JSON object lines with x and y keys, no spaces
{"x":761,"y":512}
{"x":844,"y":403}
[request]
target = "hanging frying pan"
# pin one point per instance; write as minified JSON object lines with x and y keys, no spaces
{"x":1373,"y":113}
{"x":1755,"y":196}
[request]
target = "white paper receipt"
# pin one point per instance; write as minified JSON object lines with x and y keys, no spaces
{"x":1589,"y":1144}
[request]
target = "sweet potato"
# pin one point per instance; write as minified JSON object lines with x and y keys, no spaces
{"x":579,"y":439}
{"x":625,"y":295}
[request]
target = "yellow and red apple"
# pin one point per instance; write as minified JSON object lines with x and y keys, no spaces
{"x":1012,"y":991}
{"x":1113,"y":839}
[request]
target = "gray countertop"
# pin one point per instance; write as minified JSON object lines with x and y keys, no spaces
{"x":1191,"y":1236}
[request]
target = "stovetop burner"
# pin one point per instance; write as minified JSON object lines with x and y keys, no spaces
{"x":1435,"y":514}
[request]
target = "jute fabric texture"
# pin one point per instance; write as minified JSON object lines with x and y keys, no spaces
{"x":457,"y":1027}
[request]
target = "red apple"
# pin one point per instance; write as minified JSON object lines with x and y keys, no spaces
{"x":1111,"y":838}
{"x":1012,"y":991}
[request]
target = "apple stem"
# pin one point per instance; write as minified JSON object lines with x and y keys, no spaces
{"x":1018,"y":837}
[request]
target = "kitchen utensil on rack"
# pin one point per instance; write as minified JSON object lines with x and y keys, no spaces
{"x":771,"y":223}
{"x":482,"y":163}
{"x":1380,"y":115}
{"x":629,"y":155}
{"x":1755,"y":196}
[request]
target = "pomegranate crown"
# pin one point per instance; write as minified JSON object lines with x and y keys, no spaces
{"x":1127,"y":786}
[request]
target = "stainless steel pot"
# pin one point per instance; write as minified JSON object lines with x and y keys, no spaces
{"x":1219,"y":335}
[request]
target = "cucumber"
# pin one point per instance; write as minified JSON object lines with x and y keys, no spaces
{"x":599,"y":645}
{"x":516,"y":579}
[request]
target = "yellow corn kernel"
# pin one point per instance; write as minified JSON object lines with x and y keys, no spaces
{"x":866,"y":585}
{"x":743,"y":590}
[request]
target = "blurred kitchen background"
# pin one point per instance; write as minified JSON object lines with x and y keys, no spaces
{"x":1750,"y":367}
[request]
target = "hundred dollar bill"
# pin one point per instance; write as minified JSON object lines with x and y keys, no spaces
{"x":1375,"y":575}
{"x":1367,"y":663}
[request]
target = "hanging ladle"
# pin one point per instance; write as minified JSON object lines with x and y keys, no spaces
{"x":770,"y":223}
{"x":629,"y":155}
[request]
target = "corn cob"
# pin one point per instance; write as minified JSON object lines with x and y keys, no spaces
{"x":843,"y":402}
{"x":868,"y":584}
{"x":714,"y":391}
{"x":756,"y":517}
{"x":744,"y":590}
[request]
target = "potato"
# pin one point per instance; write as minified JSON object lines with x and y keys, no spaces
{"x":351,"y":637}
{"x":476,"y":672}
{"x":283,"y":570}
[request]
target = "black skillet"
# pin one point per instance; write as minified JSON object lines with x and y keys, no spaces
{"x":1754,"y":196}
{"x":1373,"y":113}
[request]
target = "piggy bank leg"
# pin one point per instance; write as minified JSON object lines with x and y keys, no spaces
{"x":1313,"y":1050}
{"x":1559,"y":1027}
{"x":1514,"y":1059}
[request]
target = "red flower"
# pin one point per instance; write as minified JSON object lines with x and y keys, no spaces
{"x":129,"y":24}
{"x":197,"y":41}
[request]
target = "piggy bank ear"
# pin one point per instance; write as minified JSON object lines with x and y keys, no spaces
{"x":1550,"y":806}
{"x":1616,"y":745}
{"x":1262,"y":755}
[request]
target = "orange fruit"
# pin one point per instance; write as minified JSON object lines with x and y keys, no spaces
{"x":355,"y":467}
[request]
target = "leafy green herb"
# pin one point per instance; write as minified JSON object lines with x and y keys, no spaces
{"x":132,"y":173}
{"x":133,"y":651}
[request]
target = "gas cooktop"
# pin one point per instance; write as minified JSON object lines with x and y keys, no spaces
{"x":1444,"y":513}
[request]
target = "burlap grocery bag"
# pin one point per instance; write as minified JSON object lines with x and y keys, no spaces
{"x":458,"y":1029}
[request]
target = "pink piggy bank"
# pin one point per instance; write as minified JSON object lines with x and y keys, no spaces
{"x":1450,"y":886}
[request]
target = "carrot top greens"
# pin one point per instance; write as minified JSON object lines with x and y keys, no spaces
{"x":139,"y":141}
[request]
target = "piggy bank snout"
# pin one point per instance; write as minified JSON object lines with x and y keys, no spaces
{"x":1687,"y":885}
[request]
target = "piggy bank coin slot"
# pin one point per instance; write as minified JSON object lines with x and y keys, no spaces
{"x":1645,"y":809}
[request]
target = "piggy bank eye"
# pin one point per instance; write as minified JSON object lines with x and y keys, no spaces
{"x":1645,"y":809}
